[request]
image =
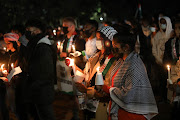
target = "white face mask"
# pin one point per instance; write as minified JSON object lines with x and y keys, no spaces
{"x":153,"y":29}
{"x":99,"y":44}
{"x":163,"y":26}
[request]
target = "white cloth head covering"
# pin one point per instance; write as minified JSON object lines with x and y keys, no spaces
{"x":169,"y":25}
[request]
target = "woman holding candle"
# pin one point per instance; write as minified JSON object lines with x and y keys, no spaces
{"x":105,"y":60}
{"x":13,"y":58}
{"x":131,"y":93}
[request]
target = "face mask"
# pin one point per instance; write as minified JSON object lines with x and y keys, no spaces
{"x":29,"y":36}
{"x":99,"y":44}
{"x":115,"y":52}
{"x":87,"y":33}
{"x":163,"y":26}
{"x":65,"y":30}
{"x":153,"y":29}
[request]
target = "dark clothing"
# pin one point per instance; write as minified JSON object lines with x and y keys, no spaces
{"x":4,"y":113}
{"x":79,"y":46}
{"x":39,"y":86}
{"x":14,"y":89}
{"x":168,"y":57}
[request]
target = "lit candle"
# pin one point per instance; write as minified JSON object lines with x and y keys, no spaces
{"x":99,"y":78}
{"x":2,"y":67}
{"x":97,"y":69}
{"x":58,"y":45}
{"x":169,"y":74}
{"x":74,"y":49}
{"x":4,"y":48}
{"x":71,"y":64}
{"x":54,"y":31}
{"x":12,"y":65}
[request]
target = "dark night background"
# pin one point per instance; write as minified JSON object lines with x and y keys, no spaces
{"x":18,"y":11}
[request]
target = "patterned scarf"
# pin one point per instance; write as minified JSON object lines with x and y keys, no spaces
{"x":131,"y":88}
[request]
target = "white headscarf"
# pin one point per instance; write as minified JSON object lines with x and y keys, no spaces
{"x":169,"y":25}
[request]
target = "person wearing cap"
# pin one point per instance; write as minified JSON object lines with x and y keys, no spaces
{"x":131,"y":94}
{"x":14,"y":58}
{"x":105,"y":60}
{"x":39,"y":85}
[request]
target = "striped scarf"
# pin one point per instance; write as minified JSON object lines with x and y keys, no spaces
{"x":131,"y":88}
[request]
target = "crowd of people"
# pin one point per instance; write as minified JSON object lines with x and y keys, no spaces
{"x":110,"y":72}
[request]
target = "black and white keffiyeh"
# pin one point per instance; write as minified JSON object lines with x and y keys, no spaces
{"x":131,"y":88}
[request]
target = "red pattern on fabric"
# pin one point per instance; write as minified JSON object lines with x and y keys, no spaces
{"x":124,"y":115}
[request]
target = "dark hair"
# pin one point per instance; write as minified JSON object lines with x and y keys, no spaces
{"x":94,"y":23}
{"x":19,"y":28}
{"x":36,"y":23}
{"x":69,"y":19}
{"x":14,"y":44}
{"x":125,"y":38}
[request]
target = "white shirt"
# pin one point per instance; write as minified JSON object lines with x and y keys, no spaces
{"x":91,"y":47}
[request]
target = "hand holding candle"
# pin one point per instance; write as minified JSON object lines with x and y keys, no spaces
{"x":3,"y":70}
{"x":99,"y":78}
{"x":169,"y":74}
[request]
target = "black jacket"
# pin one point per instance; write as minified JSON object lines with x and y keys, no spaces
{"x":168,"y":59}
{"x":39,"y":87}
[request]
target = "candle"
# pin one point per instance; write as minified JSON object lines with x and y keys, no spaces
{"x":54,"y":31}
{"x":4,"y":48}
{"x":169,"y":74}
{"x":2,"y":69}
{"x":12,"y":65}
{"x":97,"y":69}
{"x":74,"y":49}
{"x":58,"y":45}
{"x":99,"y":78}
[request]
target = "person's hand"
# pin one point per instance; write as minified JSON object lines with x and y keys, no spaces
{"x":63,"y":54}
{"x":81,"y":87}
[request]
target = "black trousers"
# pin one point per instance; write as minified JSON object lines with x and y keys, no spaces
{"x":4,"y":113}
{"x":41,"y":111}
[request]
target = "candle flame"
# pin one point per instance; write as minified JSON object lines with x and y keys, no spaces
{"x":2,"y":67}
{"x":71,"y":62}
{"x":97,"y":69}
{"x":168,"y":67}
{"x":59,"y":43}
{"x":4,"y":72}
{"x":12,"y":65}
{"x":54,"y":31}
{"x":73,"y":48}
{"x":4,"y":48}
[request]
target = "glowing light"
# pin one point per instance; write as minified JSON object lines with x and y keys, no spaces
{"x":97,"y":69}
{"x":74,"y":49}
{"x":54,"y":31}
{"x":12,"y":65}
{"x":101,"y":18}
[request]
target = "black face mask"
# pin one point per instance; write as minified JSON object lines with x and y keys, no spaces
{"x":65,"y":30}
{"x":29,"y":36}
{"x":115,"y":52}
{"x":87,"y":33}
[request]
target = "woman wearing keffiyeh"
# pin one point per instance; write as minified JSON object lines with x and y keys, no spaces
{"x":131,"y":94}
